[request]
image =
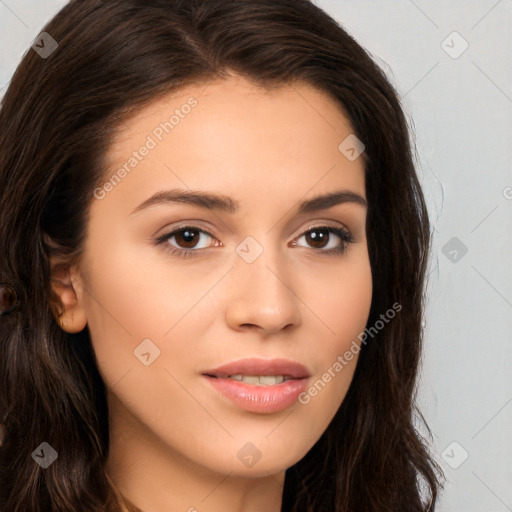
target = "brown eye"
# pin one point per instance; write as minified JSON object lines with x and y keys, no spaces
{"x":187,"y":238}
{"x":318,"y":237}
{"x":327,"y":239}
{"x":187,"y":241}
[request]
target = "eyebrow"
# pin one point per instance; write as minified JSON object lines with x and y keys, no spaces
{"x":226,"y":204}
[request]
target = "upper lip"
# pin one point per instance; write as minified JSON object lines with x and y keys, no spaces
{"x":255,"y":366}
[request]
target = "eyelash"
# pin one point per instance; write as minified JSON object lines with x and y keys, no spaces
{"x":343,"y":234}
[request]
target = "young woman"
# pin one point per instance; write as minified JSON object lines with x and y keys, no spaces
{"x":213,"y":246}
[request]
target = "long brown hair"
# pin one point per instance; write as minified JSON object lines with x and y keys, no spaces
{"x":57,"y":120}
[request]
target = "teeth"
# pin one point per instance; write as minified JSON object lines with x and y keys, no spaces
{"x":259,"y":380}
{"x":251,"y":379}
{"x":270,"y":380}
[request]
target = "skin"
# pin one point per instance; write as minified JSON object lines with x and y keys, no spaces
{"x":174,"y":438}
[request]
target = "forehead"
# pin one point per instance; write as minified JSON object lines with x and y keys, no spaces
{"x":233,"y":134}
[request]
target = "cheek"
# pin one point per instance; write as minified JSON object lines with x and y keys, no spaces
{"x":129,"y":302}
{"x":349,"y":307}
{"x":344,"y":309}
{"x":341,"y":297}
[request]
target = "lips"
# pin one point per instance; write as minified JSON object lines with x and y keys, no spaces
{"x":262,"y":386}
{"x":284,"y":367}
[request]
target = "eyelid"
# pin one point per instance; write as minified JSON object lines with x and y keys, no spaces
{"x":190,"y":224}
{"x":341,"y":231}
{"x":347,"y":239}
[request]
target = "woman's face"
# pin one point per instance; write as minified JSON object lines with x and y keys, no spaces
{"x":207,"y":251}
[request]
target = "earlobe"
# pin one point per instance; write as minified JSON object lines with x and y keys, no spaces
{"x":68,"y":299}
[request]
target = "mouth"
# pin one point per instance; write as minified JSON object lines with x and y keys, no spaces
{"x":259,"y":385}
{"x":255,"y":380}
{"x":262,"y":372}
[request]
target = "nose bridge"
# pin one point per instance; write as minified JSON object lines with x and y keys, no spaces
{"x":261,"y":293}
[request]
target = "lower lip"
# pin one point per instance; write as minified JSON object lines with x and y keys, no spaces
{"x":264,"y":399}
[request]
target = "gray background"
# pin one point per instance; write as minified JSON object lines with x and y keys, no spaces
{"x":460,"y":106}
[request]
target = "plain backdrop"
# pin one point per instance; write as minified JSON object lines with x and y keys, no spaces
{"x":451,"y":62}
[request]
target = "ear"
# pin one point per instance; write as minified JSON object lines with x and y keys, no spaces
{"x":68,"y":298}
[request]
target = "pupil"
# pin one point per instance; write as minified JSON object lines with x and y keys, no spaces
{"x":188,"y":236}
{"x":319,"y":239}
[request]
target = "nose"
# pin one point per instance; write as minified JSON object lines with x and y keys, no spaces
{"x":261,"y":296}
